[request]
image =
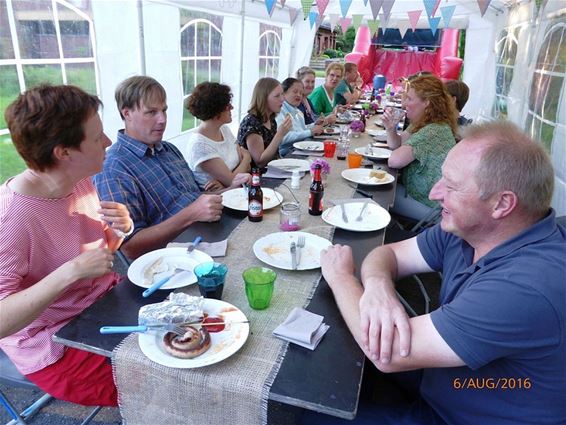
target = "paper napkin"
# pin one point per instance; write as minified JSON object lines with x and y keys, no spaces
{"x":214,"y":249}
{"x":302,"y":328}
{"x":307,"y":153}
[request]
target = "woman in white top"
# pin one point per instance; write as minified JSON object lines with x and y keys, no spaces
{"x":212,"y":153}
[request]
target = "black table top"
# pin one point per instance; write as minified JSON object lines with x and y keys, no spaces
{"x":326,"y":380}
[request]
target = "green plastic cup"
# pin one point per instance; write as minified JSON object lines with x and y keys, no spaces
{"x":259,"y":286}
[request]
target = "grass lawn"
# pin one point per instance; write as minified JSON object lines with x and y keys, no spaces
{"x":10,"y":162}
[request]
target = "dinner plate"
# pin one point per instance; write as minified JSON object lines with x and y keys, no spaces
{"x":273,"y":250}
{"x":172,"y":258}
{"x":309,"y":146}
{"x":237,"y":199}
{"x":374,"y":217}
{"x":329,"y":131}
{"x":380,"y":135}
{"x":223,"y":344}
{"x":362,"y":176}
{"x":290,"y":164}
{"x":376,"y":153}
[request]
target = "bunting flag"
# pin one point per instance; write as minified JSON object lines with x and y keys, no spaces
{"x":357,"y":21}
{"x":282,"y":3}
{"x":447,"y":12}
{"x":434,"y":24}
{"x":483,"y":4}
{"x":384,"y":20}
{"x":538,"y":3}
{"x":345,"y":23}
{"x":333,"y":18}
{"x":435,"y":8}
{"x":414,"y":16}
{"x":270,"y":6}
{"x":306,"y":4}
{"x":429,"y":7}
{"x":387,"y":6}
{"x":365,"y":2}
{"x":293,"y":13}
{"x":375,"y":6}
{"x":344,"y":6}
{"x":321,"y":4}
{"x":312,"y":18}
{"x":373,"y":25}
{"x":403,"y":27}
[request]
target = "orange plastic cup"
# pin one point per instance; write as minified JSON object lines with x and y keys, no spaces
{"x":354,"y":160}
{"x":329,"y":148}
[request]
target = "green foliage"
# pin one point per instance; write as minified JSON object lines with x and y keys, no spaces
{"x":345,"y":41}
{"x":10,"y":162}
{"x":332,"y":54}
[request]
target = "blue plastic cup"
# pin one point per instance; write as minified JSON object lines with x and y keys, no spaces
{"x":211,"y":277}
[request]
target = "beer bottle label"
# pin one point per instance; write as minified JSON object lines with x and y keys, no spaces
{"x":255,"y":208}
{"x":255,"y":180}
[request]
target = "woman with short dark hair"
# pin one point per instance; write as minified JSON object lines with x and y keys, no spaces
{"x":58,"y":240}
{"x":212,"y":152}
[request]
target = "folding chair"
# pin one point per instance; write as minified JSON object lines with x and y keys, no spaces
{"x":10,"y":376}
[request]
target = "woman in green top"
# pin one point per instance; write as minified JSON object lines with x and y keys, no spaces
{"x":421,"y":149}
{"x":322,"y":97}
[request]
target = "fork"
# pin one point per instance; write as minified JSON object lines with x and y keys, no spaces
{"x":170,"y":327}
{"x":300,"y":244}
{"x":359,"y":217}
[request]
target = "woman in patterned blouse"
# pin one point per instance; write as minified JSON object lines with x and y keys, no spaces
{"x":420,"y":149}
{"x":258,"y":131}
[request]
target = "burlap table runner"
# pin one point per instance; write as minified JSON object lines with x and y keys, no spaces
{"x":235,"y":390}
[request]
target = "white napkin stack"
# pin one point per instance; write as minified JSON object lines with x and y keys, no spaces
{"x":302,"y":328}
{"x":214,"y":249}
{"x":277,"y":173}
{"x":307,"y":153}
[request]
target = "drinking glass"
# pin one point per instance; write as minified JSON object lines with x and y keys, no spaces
{"x":329,"y":148}
{"x":211,"y":277}
{"x":354,"y":160}
{"x":259,"y":286}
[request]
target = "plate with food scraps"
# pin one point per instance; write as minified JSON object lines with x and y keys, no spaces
{"x":156,"y":265}
{"x":224,"y":341}
{"x":312,"y":146}
{"x":375,"y":153}
{"x":274,"y":250}
{"x":290,"y":164}
{"x":237,"y":199}
{"x":330,"y":131}
{"x":373,"y":217}
{"x":367,"y":176}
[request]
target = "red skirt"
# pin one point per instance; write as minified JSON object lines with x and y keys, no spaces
{"x":78,"y":377}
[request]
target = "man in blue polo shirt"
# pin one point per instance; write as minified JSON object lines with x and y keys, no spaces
{"x":495,"y":350}
{"x":148,"y":175}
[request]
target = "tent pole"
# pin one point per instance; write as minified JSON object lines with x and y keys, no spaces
{"x":141,"y":37}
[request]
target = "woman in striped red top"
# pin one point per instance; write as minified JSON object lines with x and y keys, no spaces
{"x":58,"y":240}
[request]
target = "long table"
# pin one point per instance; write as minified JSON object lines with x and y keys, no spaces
{"x":326,"y":380}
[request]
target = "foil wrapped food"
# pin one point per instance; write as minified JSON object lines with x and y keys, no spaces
{"x":177,"y":308}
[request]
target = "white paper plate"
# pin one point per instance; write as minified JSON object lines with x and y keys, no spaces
{"x":380,"y":135}
{"x":237,"y":199}
{"x":173,"y":257}
{"x":362,"y":176}
{"x":273,"y":250}
{"x":223,"y":344}
{"x":309,"y":146}
{"x":374,"y":217}
{"x":376,"y":153}
{"x":290,"y":164}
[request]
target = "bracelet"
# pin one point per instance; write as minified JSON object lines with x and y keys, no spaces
{"x":121,"y":234}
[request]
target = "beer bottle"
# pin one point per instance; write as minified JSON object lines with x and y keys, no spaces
{"x":255,"y":197}
{"x":316,"y":193}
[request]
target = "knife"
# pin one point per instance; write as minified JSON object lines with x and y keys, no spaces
{"x":293,"y":249}
{"x":344,"y":215}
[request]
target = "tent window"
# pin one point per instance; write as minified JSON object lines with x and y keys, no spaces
{"x":269,"y":48}
{"x":44,"y":42}
{"x":201,"y":55}
{"x":506,"y":53}
{"x":547,"y":86}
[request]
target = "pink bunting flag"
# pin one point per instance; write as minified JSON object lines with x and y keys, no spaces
{"x":345,"y":23}
{"x":321,"y":4}
{"x":483,"y":4}
{"x":293,"y":13}
{"x":414,"y":16}
{"x":375,"y":6}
